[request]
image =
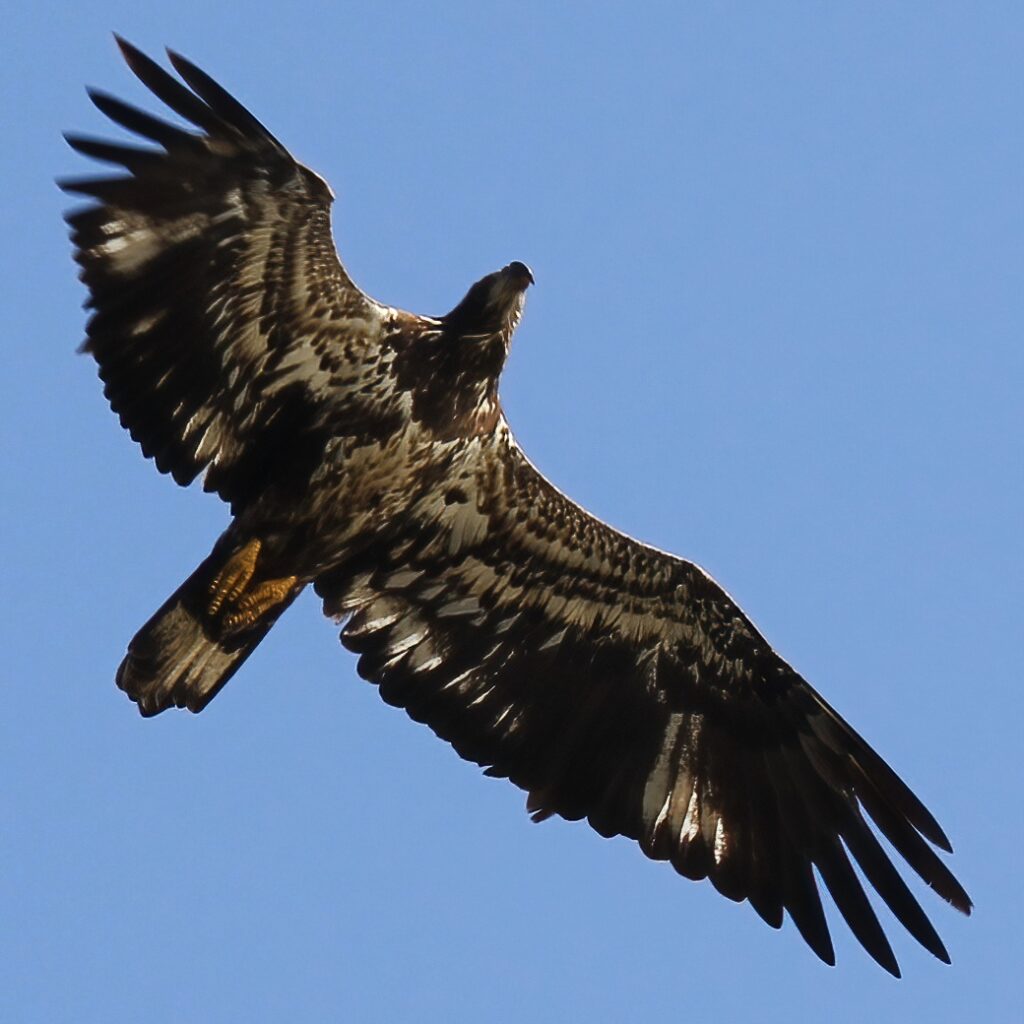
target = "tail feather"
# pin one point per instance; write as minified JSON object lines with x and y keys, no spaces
{"x":180,"y":657}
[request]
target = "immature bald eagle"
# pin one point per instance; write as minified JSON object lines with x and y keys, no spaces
{"x":363,"y":450}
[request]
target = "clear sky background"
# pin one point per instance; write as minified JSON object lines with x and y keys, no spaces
{"x":777,"y":329}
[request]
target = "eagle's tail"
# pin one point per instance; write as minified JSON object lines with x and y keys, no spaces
{"x":190,"y":648}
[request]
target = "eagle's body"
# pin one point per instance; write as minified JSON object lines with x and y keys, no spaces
{"x":363,"y":450}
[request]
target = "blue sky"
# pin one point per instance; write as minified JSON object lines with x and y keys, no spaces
{"x":776,"y":329}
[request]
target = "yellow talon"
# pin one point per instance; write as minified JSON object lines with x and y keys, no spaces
{"x":230,"y":583}
{"x":258,"y":601}
{"x":234,"y":592}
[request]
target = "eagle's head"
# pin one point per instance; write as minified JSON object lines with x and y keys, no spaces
{"x":492,"y":307}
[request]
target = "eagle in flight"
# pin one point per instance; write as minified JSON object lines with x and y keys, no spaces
{"x":363,"y":451}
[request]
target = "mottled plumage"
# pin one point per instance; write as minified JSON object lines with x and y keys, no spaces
{"x":363,"y":450}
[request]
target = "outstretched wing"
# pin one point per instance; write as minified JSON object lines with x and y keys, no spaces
{"x":222,"y":313}
{"x":617,"y":683}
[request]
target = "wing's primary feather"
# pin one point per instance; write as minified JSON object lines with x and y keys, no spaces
{"x":616,"y":683}
{"x":217,"y":291}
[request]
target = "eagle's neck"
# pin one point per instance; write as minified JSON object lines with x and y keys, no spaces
{"x":452,"y":379}
{"x":451,"y":365}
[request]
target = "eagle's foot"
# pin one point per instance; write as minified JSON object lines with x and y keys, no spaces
{"x":258,"y":601}
{"x":230,"y":583}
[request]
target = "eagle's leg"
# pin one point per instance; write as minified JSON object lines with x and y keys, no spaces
{"x":230,"y":583}
{"x":258,"y":601}
{"x":243,"y":601}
